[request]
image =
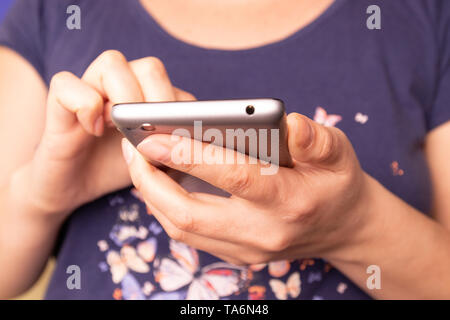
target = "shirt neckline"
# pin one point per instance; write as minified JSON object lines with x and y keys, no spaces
{"x":148,"y":18}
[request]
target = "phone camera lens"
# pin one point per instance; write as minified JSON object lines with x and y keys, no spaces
{"x":250,"y":110}
{"x":147,"y":127}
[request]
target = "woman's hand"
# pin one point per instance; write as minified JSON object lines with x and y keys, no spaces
{"x":314,"y":209}
{"x":79,"y":156}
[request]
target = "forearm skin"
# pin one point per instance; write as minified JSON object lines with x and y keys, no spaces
{"x":27,"y":235}
{"x":411,"y":249}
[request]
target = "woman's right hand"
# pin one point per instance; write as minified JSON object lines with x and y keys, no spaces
{"x":79,"y":157}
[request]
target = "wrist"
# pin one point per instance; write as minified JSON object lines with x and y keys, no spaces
{"x":26,"y":203}
{"x":365,"y":228}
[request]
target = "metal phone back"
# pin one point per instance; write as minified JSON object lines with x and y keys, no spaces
{"x":250,"y":126}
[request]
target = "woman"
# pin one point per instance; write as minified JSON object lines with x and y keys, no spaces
{"x":368,"y":192}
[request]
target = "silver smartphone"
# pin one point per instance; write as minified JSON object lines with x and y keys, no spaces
{"x":256,"y":127}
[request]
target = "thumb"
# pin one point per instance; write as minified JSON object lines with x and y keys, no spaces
{"x":310,"y":142}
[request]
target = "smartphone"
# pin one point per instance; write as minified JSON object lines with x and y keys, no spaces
{"x":256,"y":127}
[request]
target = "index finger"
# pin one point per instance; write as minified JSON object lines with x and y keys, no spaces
{"x":241,"y":176}
{"x":111,"y":75}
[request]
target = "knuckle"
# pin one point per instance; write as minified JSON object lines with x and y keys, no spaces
{"x":59,"y":79}
{"x":276,"y":243}
{"x":89,"y":101}
{"x":112,"y":57}
{"x":154,"y":66}
{"x":238,"y":180}
{"x":348,"y":179}
{"x":82,"y":99}
{"x":184,"y":221}
{"x":300,"y":211}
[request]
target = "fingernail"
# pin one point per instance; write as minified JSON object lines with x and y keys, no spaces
{"x":127,"y":151}
{"x":155,"y":150}
{"x":98,"y":126}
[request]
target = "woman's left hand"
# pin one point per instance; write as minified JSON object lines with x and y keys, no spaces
{"x":315,"y":209}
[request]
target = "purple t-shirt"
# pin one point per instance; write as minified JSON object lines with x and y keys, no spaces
{"x":386,"y":89}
